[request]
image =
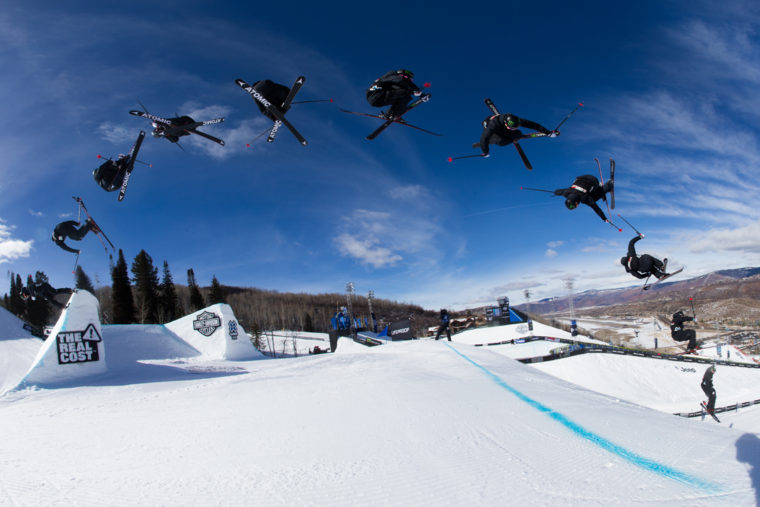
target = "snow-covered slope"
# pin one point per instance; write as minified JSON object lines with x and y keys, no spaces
{"x":18,"y":348}
{"x":408,"y":423}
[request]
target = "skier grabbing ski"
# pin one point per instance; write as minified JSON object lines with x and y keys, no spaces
{"x":503,"y":130}
{"x":275,"y":93}
{"x":642,"y":266}
{"x":395,"y":89}
{"x":679,"y":334}
{"x":709,"y":390}
{"x":71,"y":229}
{"x":587,"y":190}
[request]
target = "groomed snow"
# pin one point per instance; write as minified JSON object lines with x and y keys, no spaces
{"x":406,"y":423}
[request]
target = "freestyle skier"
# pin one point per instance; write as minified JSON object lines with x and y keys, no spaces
{"x":642,"y":266}
{"x":275,"y":93}
{"x":110,"y":174}
{"x":42,"y":290}
{"x":709,"y":390}
{"x":71,"y":229}
{"x":679,"y":334}
{"x":502,"y":130}
{"x":444,"y":325}
{"x":587,"y":190}
{"x":395,"y":89}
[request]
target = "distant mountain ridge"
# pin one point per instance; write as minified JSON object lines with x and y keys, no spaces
{"x":741,"y":286}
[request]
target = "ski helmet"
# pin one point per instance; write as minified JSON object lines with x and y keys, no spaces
{"x":406,"y":72}
{"x":572,"y":202}
{"x":512,"y":122}
{"x":624,"y":261}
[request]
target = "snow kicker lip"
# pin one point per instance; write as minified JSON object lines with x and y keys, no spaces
{"x":622,"y":452}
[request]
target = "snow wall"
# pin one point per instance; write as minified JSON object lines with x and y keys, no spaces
{"x":74,"y":348}
{"x":215,"y":333}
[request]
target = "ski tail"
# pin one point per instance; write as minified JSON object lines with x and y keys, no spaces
{"x":524,"y":158}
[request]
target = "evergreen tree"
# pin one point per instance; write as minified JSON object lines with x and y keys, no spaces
{"x":145,"y":276}
{"x":83,"y":281}
{"x":15,"y":303}
{"x":217,"y":293}
{"x":168,"y":299}
{"x":123,"y":306}
{"x":196,"y":299}
{"x":308,"y":323}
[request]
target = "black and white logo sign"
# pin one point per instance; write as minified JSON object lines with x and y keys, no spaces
{"x":233,"y":329}
{"x":206,"y":323}
{"x":78,"y":346}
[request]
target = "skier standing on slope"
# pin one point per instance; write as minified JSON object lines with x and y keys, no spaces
{"x":707,"y":387}
{"x":71,"y":229}
{"x":444,"y":325}
{"x":587,"y":190}
{"x":679,"y":334}
{"x":394,"y":88}
{"x":502,"y":130}
{"x":642,"y":266}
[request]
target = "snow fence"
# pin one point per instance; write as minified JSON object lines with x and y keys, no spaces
{"x":215,"y":333}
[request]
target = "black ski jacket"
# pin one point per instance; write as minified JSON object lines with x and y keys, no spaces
{"x":585,"y":189}
{"x":496,"y":132}
{"x":632,"y":265}
{"x":393,"y":80}
{"x":64,"y":230}
{"x":676,"y":324}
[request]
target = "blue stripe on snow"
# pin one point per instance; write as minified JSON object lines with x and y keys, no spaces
{"x":602,"y":442}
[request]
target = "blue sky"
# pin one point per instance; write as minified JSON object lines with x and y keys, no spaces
{"x":670,"y":92}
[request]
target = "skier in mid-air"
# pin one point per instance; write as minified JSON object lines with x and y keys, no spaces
{"x":395,"y":89}
{"x":587,"y":190}
{"x":679,"y":334}
{"x":502,"y":130}
{"x":444,"y":325}
{"x":709,"y":390}
{"x":642,"y":266}
{"x":110,"y":174}
{"x":71,"y":229}
{"x":274,"y":93}
{"x":42,"y":290}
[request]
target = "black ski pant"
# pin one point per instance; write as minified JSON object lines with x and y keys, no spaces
{"x":709,"y":391}
{"x":686,"y":335}
{"x":441,"y":329}
{"x":649,"y":264}
{"x":397,"y":99}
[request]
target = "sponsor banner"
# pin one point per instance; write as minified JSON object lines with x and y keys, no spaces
{"x":401,"y":330}
{"x":206,"y":323}
{"x":232,"y":325}
{"x":78,"y":346}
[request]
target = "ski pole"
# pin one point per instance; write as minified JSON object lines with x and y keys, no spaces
{"x":614,"y":225}
{"x":248,"y":145}
{"x":629,"y":224}
{"x":604,"y":194}
{"x":451,"y":159}
{"x":310,"y":101}
{"x":691,"y":300}
{"x":537,"y":190}
{"x":580,"y":104}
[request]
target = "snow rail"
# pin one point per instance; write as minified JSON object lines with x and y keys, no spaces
{"x":719,"y":410}
{"x":577,"y":348}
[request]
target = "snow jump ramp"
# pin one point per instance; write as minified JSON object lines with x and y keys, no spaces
{"x":215,"y":333}
{"x":74,"y":349}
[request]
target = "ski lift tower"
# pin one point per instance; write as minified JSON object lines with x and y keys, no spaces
{"x":370,"y":297}
{"x":349,"y":306}
{"x":573,"y":324}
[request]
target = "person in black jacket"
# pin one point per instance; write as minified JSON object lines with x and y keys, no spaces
{"x":274,"y":93}
{"x":679,"y":334}
{"x":444,"y":325}
{"x":71,"y":229}
{"x":394,"y":88}
{"x":502,"y":130}
{"x":110,"y":174}
{"x":642,"y":266}
{"x":707,"y":387}
{"x":42,"y":290}
{"x":587,"y":190}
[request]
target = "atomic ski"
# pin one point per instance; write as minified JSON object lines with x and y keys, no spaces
{"x":612,"y":179}
{"x":704,"y":408}
{"x":286,"y":106}
{"x":131,"y":164}
{"x":647,"y":287}
{"x":272,"y":110}
{"x":524,"y":158}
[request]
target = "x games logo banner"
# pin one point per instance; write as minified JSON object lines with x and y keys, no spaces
{"x":206,"y":323}
{"x":78,"y":346}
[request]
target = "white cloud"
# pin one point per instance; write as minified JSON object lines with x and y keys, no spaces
{"x":117,"y":134}
{"x":36,"y":213}
{"x":744,"y":239}
{"x":550,"y":253}
{"x":367,"y":251}
{"x":555,"y":244}
{"x":10,"y":248}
